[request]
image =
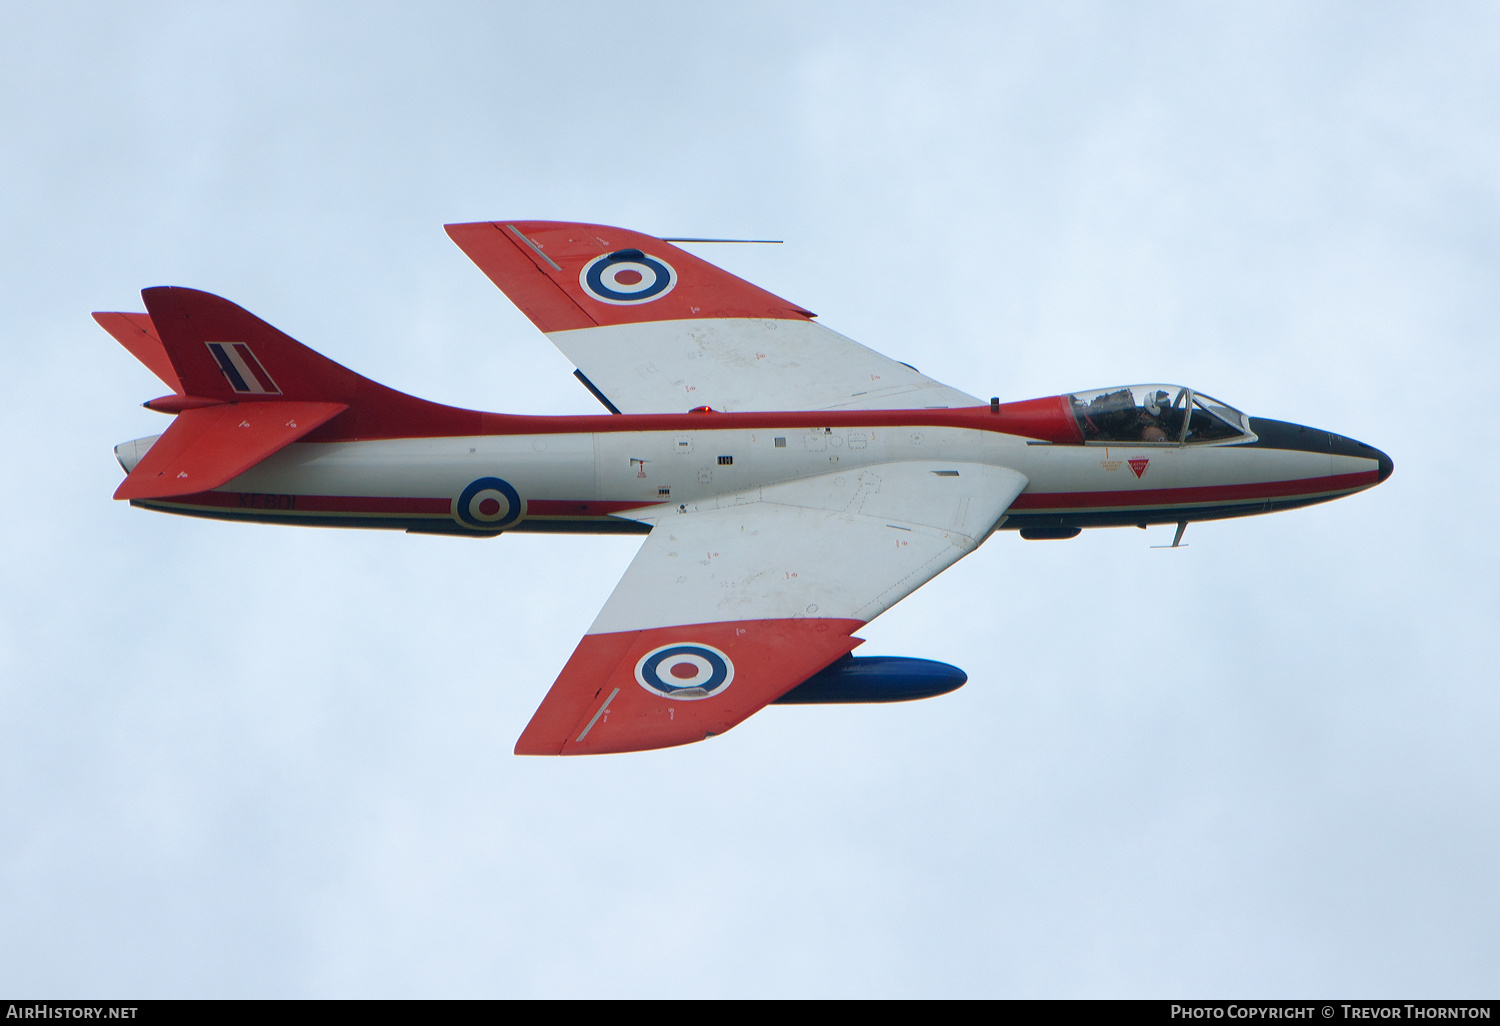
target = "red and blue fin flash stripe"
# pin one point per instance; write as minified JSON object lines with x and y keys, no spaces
{"x":245,"y":373}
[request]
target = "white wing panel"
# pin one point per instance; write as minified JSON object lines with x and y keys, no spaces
{"x":843,"y":545}
{"x":736,"y":364}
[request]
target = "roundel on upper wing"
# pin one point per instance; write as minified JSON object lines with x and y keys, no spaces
{"x":627,"y":277}
{"x":488,"y":504}
{"x":685,"y":671}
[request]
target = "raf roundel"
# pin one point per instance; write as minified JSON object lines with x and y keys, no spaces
{"x":627,"y":277}
{"x":488,"y":504}
{"x":685,"y":672}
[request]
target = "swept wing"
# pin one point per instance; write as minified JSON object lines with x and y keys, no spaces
{"x":731,"y":603}
{"x":654,"y":329}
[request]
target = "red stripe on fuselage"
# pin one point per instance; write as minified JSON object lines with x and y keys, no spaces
{"x":383,"y":505}
{"x":1027,"y":502}
{"x":370,"y":504}
{"x":1060,"y":503}
{"x":1025,"y":420}
{"x":574,"y":508}
{"x":1063,"y":501}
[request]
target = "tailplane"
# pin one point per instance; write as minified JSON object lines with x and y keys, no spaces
{"x":136,"y":333}
{"x":209,"y":446}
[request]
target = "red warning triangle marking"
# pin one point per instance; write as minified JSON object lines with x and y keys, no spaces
{"x":1139,"y":466}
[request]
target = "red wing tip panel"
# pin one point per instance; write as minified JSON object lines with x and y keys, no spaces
{"x":204,"y":448}
{"x":565,"y":276}
{"x":517,"y":274}
{"x":633,"y":691}
{"x":138,"y":335}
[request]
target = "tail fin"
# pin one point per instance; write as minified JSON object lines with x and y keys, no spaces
{"x":220,"y":351}
{"x":248,"y":390}
{"x":223,"y":353}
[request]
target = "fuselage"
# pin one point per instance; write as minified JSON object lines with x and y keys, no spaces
{"x":598,"y":474}
{"x":784,"y":531}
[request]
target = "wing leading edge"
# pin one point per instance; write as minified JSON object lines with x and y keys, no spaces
{"x":655,"y":329}
{"x":732,"y":603}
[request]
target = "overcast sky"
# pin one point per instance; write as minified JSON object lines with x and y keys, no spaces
{"x":266,"y":761}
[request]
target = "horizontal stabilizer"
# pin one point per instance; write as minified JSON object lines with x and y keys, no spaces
{"x":206,"y":447}
{"x":137,"y":334}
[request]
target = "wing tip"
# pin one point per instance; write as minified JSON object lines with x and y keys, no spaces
{"x":530,"y":746}
{"x":458,"y":228}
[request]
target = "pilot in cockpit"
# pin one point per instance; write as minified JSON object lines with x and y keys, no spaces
{"x":1151,"y":427}
{"x":1155,"y":414}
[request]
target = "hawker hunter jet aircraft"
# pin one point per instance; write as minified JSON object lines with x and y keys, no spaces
{"x":792,"y":485}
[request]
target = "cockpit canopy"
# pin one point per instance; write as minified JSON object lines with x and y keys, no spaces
{"x":1159,"y":414}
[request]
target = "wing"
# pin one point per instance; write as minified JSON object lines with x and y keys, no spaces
{"x":654,"y":329}
{"x":732,"y":603}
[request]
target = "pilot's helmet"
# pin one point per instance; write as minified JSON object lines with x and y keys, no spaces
{"x":1156,"y":401}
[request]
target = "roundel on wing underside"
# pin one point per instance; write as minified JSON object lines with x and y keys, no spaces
{"x":627,"y":277}
{"x":488,"y":504}
{"x":685,"y":672}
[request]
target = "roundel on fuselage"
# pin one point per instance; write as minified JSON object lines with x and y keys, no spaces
{"x":627,"y":277}
{"x":685,"y":672}
{"x":488,"y":504}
